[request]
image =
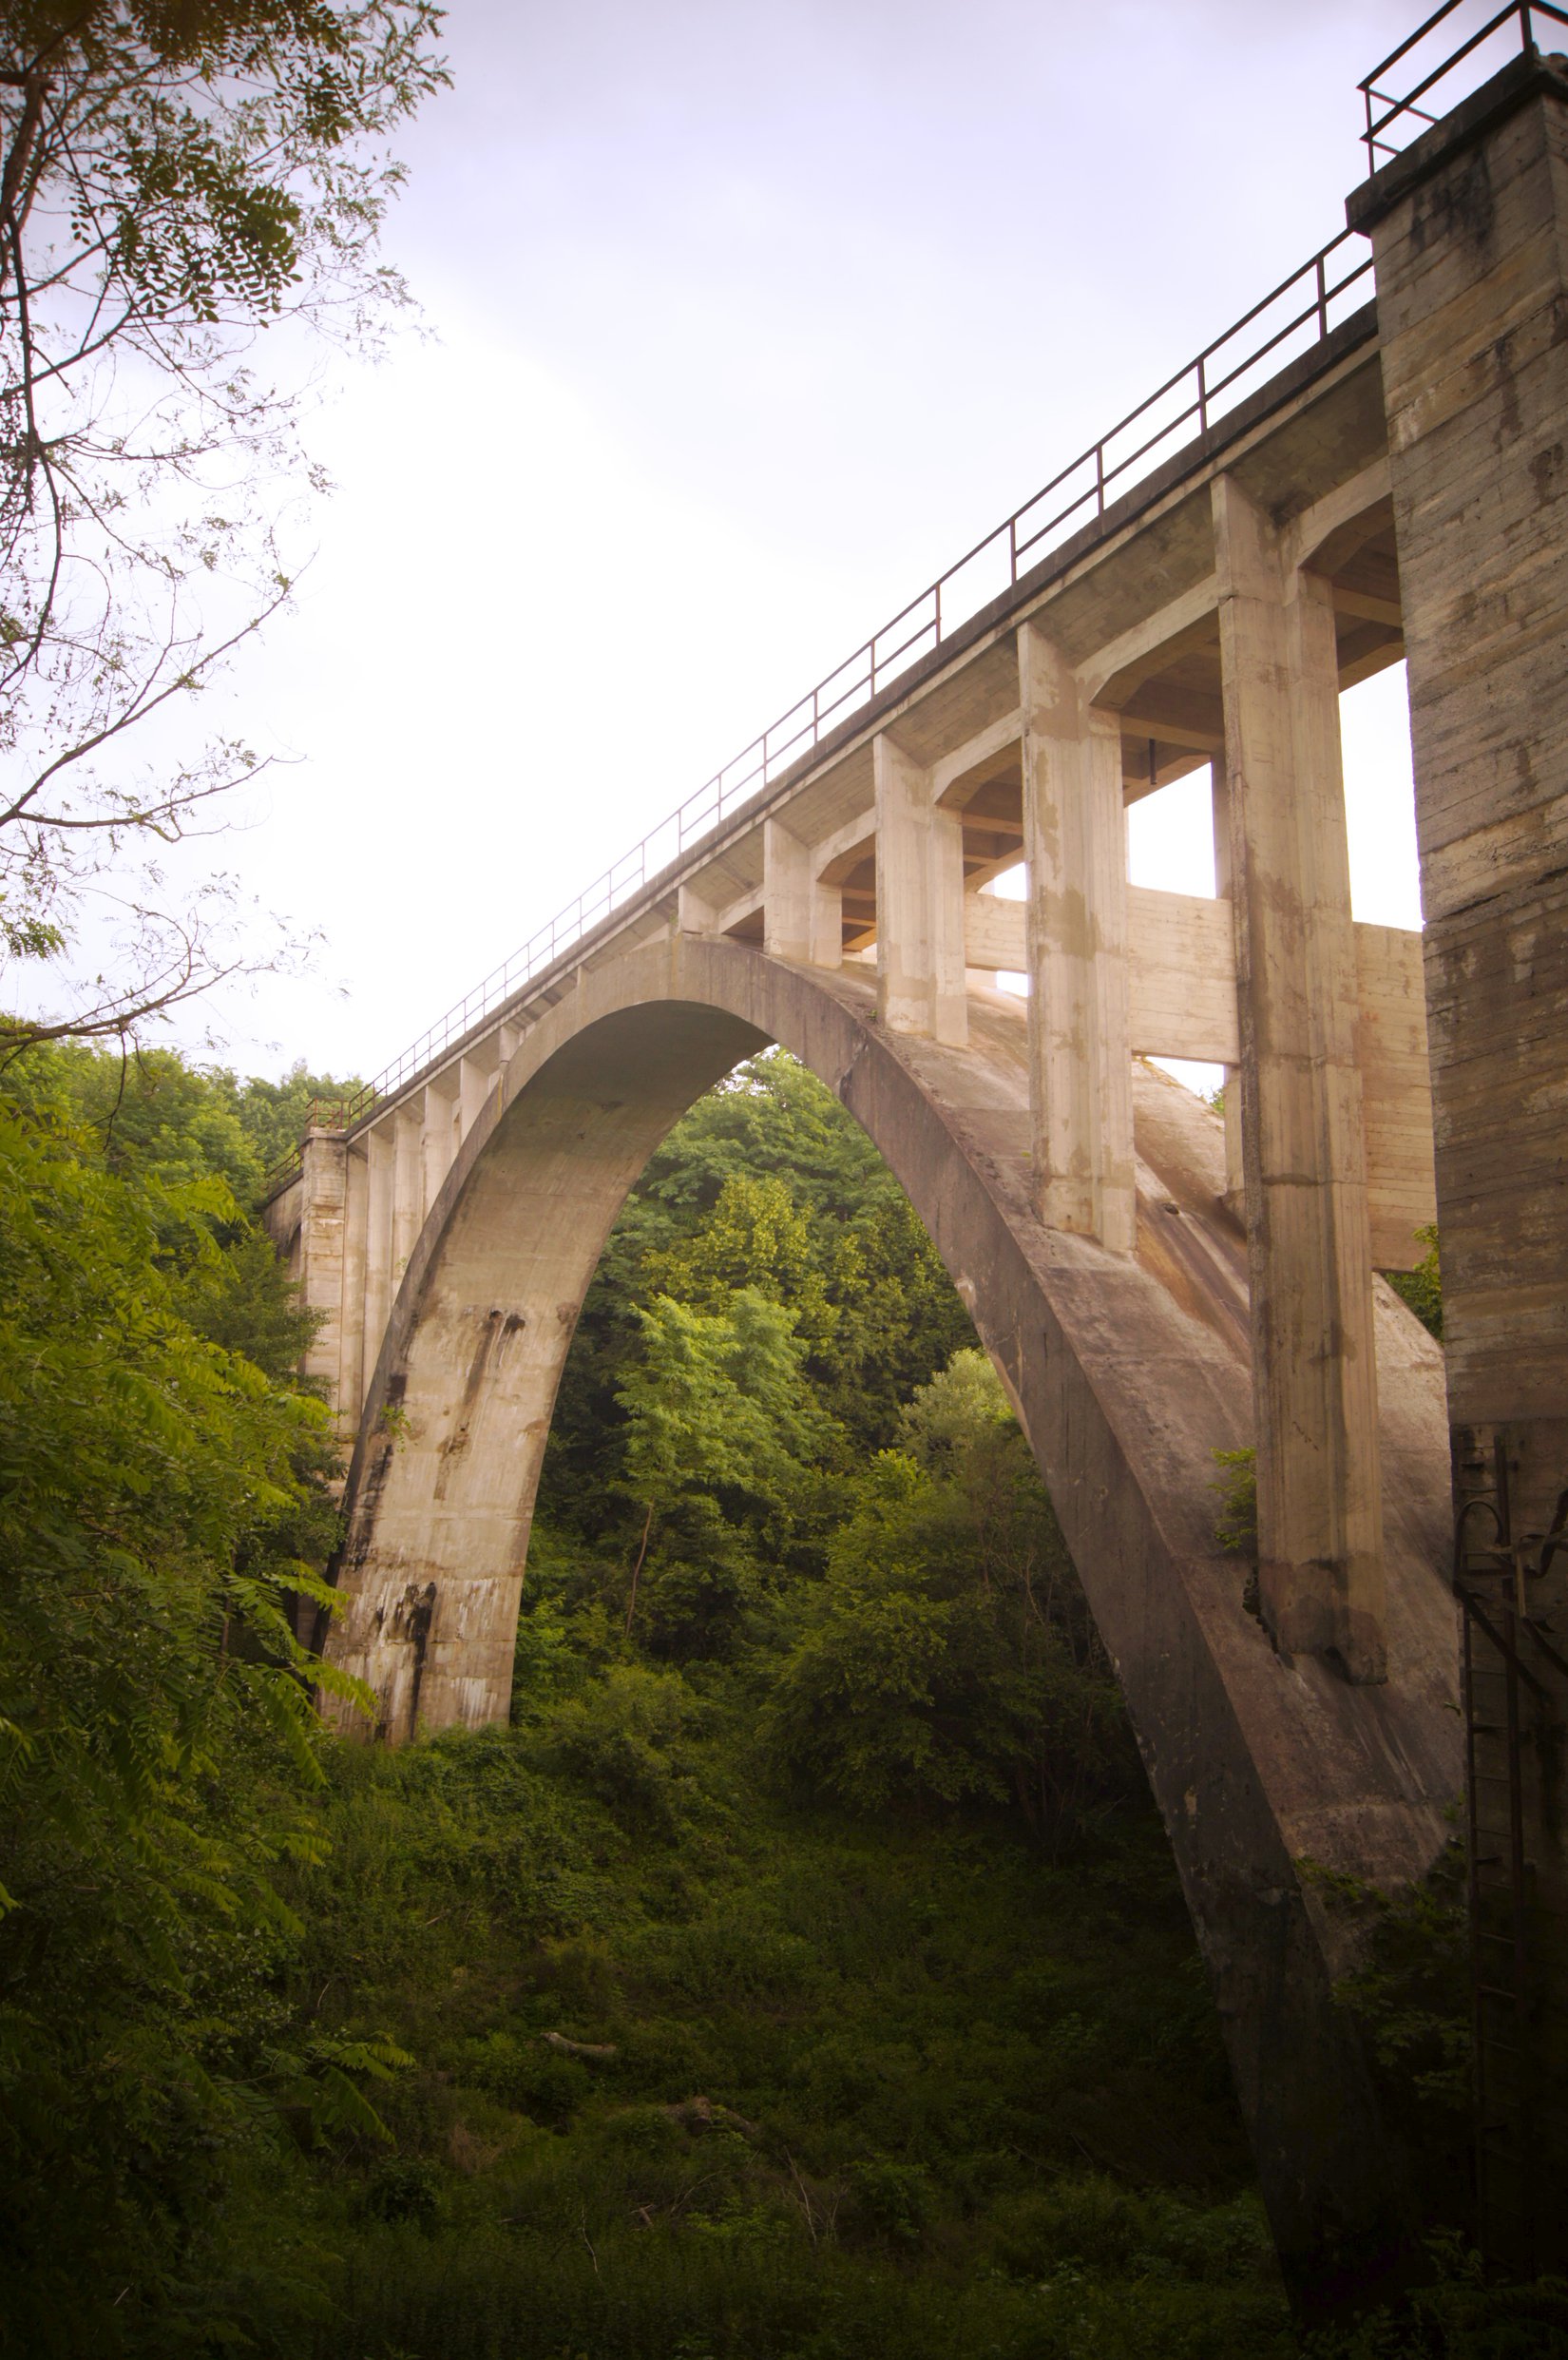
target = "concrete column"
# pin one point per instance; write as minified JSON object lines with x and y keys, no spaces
{"x":408,"y":1185}
{"x":438,"y":1140}
{"x":323,"y":1160}
{"x":1234,"y":1177}
{"x":475,"y":1080}
{"x":1470,"y":236}
{"x":352,"y":1369}
{"x":380,"y":1178}
{"x":801,"y":917}
{"x":1075,"y":842}
{"x":693,"y":914}
{"x":919,"y":902}
{"x":1469,"y":231}
{"x":1309,"y":1240}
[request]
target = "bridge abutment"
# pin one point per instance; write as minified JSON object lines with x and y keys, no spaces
{"x":1469,"y":228}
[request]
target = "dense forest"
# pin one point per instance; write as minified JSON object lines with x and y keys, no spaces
{"x":801,"y":1974}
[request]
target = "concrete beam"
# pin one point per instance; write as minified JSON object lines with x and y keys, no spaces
{"x":1126,"y":660}
{"x":951,"y":771}
{"x":1330,"y":518}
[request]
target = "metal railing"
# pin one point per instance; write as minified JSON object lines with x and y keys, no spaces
{"x":1506,"y":33}
{"x":1301,"y":312}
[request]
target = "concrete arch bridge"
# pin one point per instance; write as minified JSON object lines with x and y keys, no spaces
{"x":1153,"y":1282}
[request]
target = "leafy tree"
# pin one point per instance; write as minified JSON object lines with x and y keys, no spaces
{"x":722,"y":1435}
{"x":948,"y":1653}
{"x":162,"y":1497}
{"x":756,"y":1237}
{"x":150,"y":1112}
{"x":176,"y":175}
{"x":768,"y":1184}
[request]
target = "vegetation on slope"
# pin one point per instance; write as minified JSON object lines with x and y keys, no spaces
{"x":802,"y":1974}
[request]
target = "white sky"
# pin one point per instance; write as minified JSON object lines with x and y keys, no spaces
{"x":745,"y":322}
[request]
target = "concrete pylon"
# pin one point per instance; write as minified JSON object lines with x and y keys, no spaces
{"x":1304,"y":1155}
{"x":1075,"y":843}
{"x":1469,"y":229}
{"x":919,"y":901}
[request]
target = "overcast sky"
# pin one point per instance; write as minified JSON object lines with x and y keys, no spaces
{"x":744,"y":321}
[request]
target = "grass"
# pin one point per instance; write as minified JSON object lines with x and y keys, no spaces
{"x":960,"y":2099}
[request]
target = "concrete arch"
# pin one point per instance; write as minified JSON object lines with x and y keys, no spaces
{"x":1127,"y":1373}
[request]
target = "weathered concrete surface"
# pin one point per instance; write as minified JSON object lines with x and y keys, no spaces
{"x":1470,"y":234}
{"x":1128,"y":1372}
{"x":1304,"y":1147}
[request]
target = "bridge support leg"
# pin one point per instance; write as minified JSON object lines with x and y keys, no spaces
{"x":407,"y":1186}
{"x":801,"y":917}
{"x":380,"y":1176}
{"x":349,"y":1388}
{"x":1469,"y":231}
{"x":919,"y":902}
{"x":1235,"y":1184}
{"x":1075,"y":843}
{"x":322,"y":1245}
{"x":438,"y":1134}
{"x":1309,"y":1238}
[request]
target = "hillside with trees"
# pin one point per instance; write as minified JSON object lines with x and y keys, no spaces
{"x":803,"y":1972}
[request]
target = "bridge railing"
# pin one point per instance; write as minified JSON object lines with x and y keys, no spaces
{"x":1463,"y":36}
{"x":1299,"y":313}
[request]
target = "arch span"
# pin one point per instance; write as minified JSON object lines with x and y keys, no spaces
{"x":1127,"y":1373}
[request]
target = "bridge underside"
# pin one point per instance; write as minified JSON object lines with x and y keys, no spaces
{"x":1127,"y":1371}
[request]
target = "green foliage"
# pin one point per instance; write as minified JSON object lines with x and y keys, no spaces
{"x":161,"y":1501}
{"x":878,"y":2084}
{"x":948,"y":1653}
{"x":1422,"y":1288}
{"x":802,"y":1976}
{"x":1458,"y":2316}
{"x":767,"y":1185}
{"x":150,"y":1113}
{"x":1410,"y":1993}
{"x":1236,"y":1526}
